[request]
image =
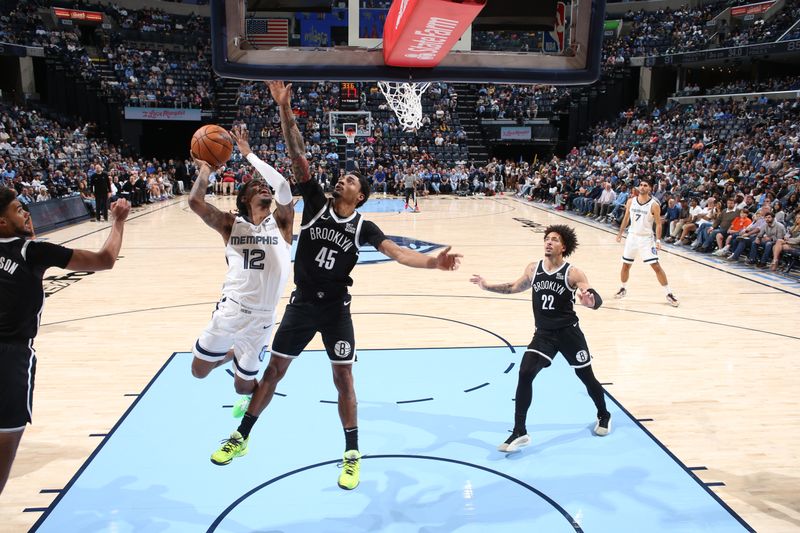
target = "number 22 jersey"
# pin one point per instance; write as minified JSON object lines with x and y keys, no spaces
{"x":553,"y":298}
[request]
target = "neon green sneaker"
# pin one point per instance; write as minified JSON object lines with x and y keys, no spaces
{"x":351,"y":465}
{"x":240,"y":407}
{"x":231,"y":448}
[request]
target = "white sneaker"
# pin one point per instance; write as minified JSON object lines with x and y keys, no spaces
{"x":603,"y":426}
{"x":514,"y":444}
{"x":721,"y":251}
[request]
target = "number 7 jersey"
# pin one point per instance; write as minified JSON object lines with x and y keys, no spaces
{"x":259,"y":259}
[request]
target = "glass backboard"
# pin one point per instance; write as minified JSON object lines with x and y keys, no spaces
{"x":543,"y":41}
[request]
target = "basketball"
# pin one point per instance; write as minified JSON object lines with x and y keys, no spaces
{"x":212,"y":144}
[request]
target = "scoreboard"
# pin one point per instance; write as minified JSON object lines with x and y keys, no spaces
{"x":348,"y":96}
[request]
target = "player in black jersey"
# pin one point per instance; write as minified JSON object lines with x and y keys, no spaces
{"x":331,"y":232}
{"x":555,"y":284}
{"x":22,"y":265}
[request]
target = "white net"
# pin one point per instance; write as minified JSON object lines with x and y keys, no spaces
{"x":405,"y":99}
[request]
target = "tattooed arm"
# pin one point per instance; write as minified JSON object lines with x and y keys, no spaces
{"x":291,"y":133}
{"x":213,"y":217}
{"x":521,"y":285}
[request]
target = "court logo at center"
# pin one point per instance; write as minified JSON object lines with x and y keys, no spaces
{"x":582,"y":356}
{"x":342,"y":349}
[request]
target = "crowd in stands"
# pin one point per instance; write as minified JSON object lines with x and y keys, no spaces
{"x":709,"y":161}
{"x":685,"y":29}
{"x":440,"y":138}
{"x":784,"y":83}
{"x":520,"y":101}
{"x":762,"y":31}
{"x":140,"y":74}
{"x":42,"y":158}
{"x":161,"y":78}
{"x":155,"y":20}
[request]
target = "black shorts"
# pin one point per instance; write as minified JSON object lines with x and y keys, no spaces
{"x":17,"y":371}
{"x":305,"y":316}
{"x":569,"y":341}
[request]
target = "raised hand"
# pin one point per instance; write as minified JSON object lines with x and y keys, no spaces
{"x":120,"y":210}
{"x":241,"y":137}
{"x":282,"y":94}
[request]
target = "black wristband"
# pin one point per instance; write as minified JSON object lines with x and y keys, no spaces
{"x":597,"y":300}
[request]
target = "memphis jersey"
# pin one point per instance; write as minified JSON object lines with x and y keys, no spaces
{"x":641,"y":216}
{"x":258,"y":264}
{"x":553,"y":298}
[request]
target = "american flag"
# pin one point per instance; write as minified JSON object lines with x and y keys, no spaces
{"x":268,"y":32}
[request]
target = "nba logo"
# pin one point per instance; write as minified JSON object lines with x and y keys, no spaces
{"x":262,"y":355}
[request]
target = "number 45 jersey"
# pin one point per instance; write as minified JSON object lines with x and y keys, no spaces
{"x":327,"y":248}
{"x":258,"y":260}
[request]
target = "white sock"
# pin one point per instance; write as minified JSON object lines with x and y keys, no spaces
{"x":667,"y":290}
{"x":624,"y":284}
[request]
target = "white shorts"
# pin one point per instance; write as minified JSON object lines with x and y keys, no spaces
{"x":247,"y":332}
{"x":644,"y":245}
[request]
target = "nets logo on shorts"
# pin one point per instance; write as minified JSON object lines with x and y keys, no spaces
{"x":342,"y":349}
{"x":654,"y":250}
{"x":582,"y":356}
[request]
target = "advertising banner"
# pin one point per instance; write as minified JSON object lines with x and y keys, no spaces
{"x":515,"y":133}
{"x":161,"y":113}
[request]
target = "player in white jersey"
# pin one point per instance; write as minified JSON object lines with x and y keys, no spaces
{"x":642,"y":211}
{"x":258,"y":252}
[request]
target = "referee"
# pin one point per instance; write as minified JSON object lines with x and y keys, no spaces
{"x":22,"y":265}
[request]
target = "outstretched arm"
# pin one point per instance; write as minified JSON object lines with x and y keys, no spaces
{"x":284,"y":212}
{"x":586,"y":295}
{"x":291,"y":133}
{"x":213,"y":217}
{"x":521,"y":285}
{"x":412,"y":258}
{"x":105,"y":258}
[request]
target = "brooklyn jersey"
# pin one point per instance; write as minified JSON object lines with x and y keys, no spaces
{"x":258,"y":264}
{"x":22,"y":265}
{"x":328,"y":246}
{"x":641,"y":216}
{"x":553,"y":298}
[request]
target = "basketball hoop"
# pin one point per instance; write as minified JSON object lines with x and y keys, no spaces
{"x":405,"y":99}
{"x":351,"y":136}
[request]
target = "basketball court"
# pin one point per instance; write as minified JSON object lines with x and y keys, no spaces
{"x":703,"y":429}
{"x":703,"y":397}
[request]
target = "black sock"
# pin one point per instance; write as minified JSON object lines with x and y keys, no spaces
{"x":247,"y":425}
{"x":531,"y":365}
{"x":594,"y":389}
{"x":351,"y":438}
{"x":519,"y":424}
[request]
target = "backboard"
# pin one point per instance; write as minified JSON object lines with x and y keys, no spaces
{"x":341,"y":121}
{"x":511,"y":41}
